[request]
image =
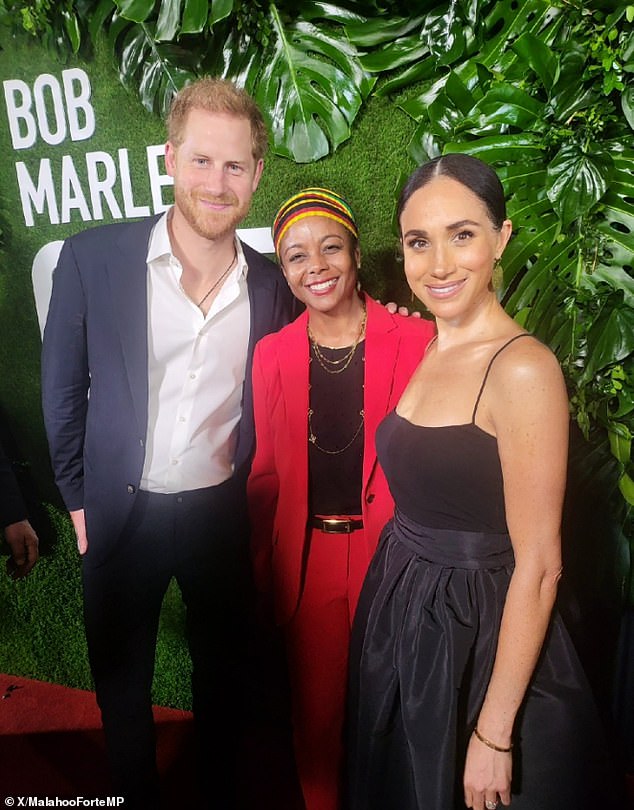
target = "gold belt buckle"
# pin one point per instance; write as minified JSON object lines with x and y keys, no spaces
{"x":335,"y":526}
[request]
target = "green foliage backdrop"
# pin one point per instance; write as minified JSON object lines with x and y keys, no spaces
{"x":356,"y":92}
{"x":542,"y":90}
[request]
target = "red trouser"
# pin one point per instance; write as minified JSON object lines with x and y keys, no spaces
{"x":317,"y":640}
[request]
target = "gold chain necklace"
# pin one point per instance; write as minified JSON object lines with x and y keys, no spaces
{"x":325,"y":362}
{"x":313,"y":438}
{"x":218,"y":280}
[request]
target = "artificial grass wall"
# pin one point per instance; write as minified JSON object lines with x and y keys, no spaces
{"x":41,"y":630}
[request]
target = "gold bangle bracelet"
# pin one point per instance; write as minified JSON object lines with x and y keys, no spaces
{"x":492,"y":745}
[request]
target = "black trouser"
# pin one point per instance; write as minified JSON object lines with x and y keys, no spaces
{"x":200,"y":538}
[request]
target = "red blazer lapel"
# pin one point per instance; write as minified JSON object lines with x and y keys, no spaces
{"x":294,"y":382}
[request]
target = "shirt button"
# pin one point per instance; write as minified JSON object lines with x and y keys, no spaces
{"x":370,"y":498}
{"x":192,"y":376}
{"x":174,"y":462}
{"x":181,"y":418}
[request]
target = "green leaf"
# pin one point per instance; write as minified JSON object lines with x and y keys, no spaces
{"x":611,"y":338}
{"x":168,"y":22}
{"x":156,"y":70}
{"x":538,"y":56}
{"x":615,"y":277}
{"x":576,"y":181}
{"x":620,"y":444}
{"x":503,"y":148}
{"x":627,"y":104}
{"x":135,"y":10}
{"x":194,"y":16}
{"x":626,"y":485}
{"x":401,"y":52}
{"x":379,"y":31}
{"x":220,"y":10}
{"x":508,"y":106}
{"x":332,"y":13}
{"x":71,"y":24}
{"x":311,"y":88}
{"x":570,"y":95}
{"x":521,"y":176}
{"x":418,"y":107}
{"x":97,"y":19}
{"x":617,"y":224}
{"x":444,"y":31}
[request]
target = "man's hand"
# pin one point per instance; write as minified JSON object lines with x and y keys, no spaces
{"x":393,"y":309}
{"x":23,"y":543}
{"x":79,"y":522}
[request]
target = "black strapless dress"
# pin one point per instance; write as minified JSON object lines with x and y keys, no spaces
{"x":425,"y":638}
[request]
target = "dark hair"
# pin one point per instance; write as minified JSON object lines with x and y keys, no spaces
{"x":473,"y":173}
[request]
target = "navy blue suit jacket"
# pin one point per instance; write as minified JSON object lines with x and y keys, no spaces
{"x":95,"y":341}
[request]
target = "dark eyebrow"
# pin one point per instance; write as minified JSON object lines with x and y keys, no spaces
{"x":300,"y":245}
{"x":454,"y":226}
{"x":292,"y":246}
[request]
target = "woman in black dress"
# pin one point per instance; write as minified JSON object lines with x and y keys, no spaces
{"x":465,"y":687}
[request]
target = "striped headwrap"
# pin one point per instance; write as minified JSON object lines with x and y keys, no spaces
{"x":312,"y":202}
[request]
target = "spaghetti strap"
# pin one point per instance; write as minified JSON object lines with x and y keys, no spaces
{"x":486,"y":373}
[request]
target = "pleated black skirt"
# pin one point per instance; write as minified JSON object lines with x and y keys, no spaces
{"x":423,"y":648}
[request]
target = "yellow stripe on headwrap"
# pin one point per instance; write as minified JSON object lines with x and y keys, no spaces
{"x":312,"y":202}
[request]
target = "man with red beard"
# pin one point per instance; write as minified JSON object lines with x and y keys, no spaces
{"x":147,"y":404}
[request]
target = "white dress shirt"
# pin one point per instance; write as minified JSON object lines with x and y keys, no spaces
{"x":196,"y":371}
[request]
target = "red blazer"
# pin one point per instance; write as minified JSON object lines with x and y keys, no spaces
{"x":278,"y":484}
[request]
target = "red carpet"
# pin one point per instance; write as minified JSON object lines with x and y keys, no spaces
{"x":51,"y":744}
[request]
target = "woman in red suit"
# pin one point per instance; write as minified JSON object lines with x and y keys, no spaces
{"x":318,"y":499}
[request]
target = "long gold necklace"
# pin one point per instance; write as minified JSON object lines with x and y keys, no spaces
{"x":327,"y":363}
{"x":312,"y":438}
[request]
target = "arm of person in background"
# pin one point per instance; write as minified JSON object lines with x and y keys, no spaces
{"x":529,"y":415}
{"x":65,"y":385}
{"x":24,"y":546}
{"x":262,"y":492}
{"x":18,"y":532}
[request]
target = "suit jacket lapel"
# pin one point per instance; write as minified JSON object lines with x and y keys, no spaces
{"x":127,"y":273}
{"x":294,"y":376}
{"x":270,"y":309}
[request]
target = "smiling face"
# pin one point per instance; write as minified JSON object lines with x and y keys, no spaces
{"x":450,"y":245}
{"x":214,"y":171}
{"x":319,"y":258}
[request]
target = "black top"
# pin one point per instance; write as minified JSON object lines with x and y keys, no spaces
{"x":459,"y":484}
{"x":336,"y":401}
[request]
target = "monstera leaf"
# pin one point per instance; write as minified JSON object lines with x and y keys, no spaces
{"x":307,"y":78}
{"x":577,"y":179}
{"x":311,"y":89}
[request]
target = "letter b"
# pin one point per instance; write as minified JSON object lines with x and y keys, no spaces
{"x":20,"y":111}
{"x":74,"y":103}
{"x":52,"y":109}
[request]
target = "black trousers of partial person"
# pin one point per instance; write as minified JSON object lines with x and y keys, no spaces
{"x":200,"y":538}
